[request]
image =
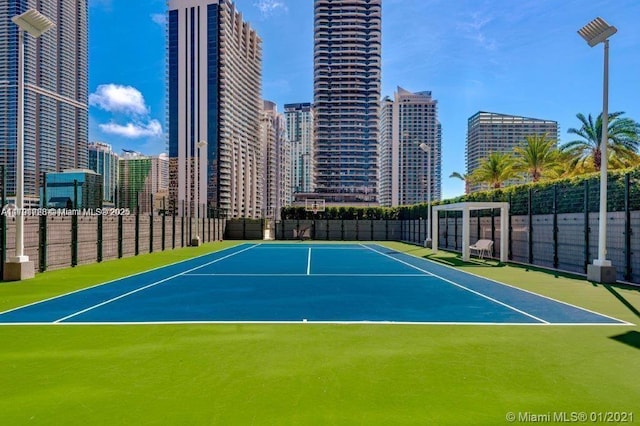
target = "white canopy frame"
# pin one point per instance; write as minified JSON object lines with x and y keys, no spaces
{"x":466,"y":209}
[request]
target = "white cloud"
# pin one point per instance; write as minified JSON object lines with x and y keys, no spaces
{"x":269,"y":7}
{"x":116,"y":98}
{"x":159,"y":18}
{"x":133,"y":130}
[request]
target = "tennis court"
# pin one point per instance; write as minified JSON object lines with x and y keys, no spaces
{"x":313,"y":283}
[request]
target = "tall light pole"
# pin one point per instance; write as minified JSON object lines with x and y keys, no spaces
{"x":595,"y":32}
{"x":196,"y":190}
{"x":19,"y":267}
{"x":427,"y":148}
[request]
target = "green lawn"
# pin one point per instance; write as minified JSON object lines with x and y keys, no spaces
{"x":311,"y":373}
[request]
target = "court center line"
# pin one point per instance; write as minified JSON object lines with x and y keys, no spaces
{"x":464,"y":288}
{"x":309,"y":262}
{"x":304,"y":275}
{"x":90,"y":308}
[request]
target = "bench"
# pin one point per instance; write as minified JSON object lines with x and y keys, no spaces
{"x":482,"y":248}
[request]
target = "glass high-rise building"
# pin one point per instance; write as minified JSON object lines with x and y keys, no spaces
{"x":299,"y":119}
{"x":141,"y":179}
{"x":406,"y":171}
{"x":56,"y":76}
{"x":104,"y":161}
{"x":347,"y":67}
{"x":214,"y":95}
{"x":489,"y":132}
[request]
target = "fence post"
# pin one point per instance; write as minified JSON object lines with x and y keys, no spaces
{"x":42,"y":229}
{"x":182,"y":224}
{"x":587,"y":229}
{"x":137,"y":230}
{"x":556,"y":261}
{"x":74,"y":226}
{"x":164,"y":224}
{"x":627,"y":228}
{"x":3,"y":220}
{"x":173,"y":228}
{"x":151,"y":226}
{"x":120,"y":226}
{"x":510,"y":254}
{"x":386,"y":230}
{"x":100,"y":217}
{"x":530,"y":211}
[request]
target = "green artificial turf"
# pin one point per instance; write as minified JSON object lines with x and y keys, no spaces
{"x":316,"y":374}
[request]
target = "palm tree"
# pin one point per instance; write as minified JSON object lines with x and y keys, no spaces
{"x":624,"y":140}
{"x":538,"y":157}
{"x":463,"y":177}
{"x":494,"y":170}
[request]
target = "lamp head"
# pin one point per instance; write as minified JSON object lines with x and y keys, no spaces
{"x":596,"y":31}
{"x":33,"y":22}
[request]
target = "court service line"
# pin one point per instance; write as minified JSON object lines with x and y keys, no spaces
{"x":117,"y":279}
{"x":309,"y":262}
{"x":518,"y":288}
{"x":304,"y":275}
{"x":90,"y":308}
{"x":520,"y":311}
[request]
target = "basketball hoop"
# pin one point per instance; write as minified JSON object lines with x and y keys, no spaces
{"x":314,"y":206}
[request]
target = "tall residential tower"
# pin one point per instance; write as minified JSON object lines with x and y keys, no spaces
{"x":406,"y":171}
{"x":489,"y":132}
{"x":56,"y":76}
{"x":299,"y":119}
{"x":214,"y":96}
{"x":346,"y":98}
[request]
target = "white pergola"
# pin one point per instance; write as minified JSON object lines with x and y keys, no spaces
{"x":466,"y":209}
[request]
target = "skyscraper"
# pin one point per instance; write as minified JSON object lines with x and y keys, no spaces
{"x":346,"y":98}
{"x":299,"y":119}
{"x":276,"y":152}
{"x":406,"y":170}
{"x":214,"y":95}
{"x":489,"y":132}
{"x":140,"y":178}
{"x":56,"y":76}
{"x":104,"y":161}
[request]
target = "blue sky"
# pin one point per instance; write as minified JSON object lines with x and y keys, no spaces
{"x":509,"y":56}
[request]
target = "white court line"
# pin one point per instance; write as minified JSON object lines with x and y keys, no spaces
{"x":90,"y":308}
{"x":303,"y":275}
{"x":514,"y":287}
{"x":309,"y":262}
{"x":396,"y":323}
{"x":116,"y":279}
{"x":465,"y":288}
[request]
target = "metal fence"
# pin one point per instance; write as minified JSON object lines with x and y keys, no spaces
{"x":55,"y":242}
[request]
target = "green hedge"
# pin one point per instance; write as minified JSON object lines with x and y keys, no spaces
{"x":570,"y":199}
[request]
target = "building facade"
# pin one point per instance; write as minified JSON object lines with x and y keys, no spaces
{"x":72,"y":189}
{"x":489,"y":132}
{"x":104,"y":161}
{"x":347,"y":66}
{"x":276,"y":162}
{"x":214,"y":96}
{"x":56,"y":77}
{"x":143,"y":181}
{"x":299,"y":121}
{"x":406,"y":170}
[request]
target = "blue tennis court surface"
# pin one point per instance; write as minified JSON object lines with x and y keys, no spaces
{"x":304,"y":282}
